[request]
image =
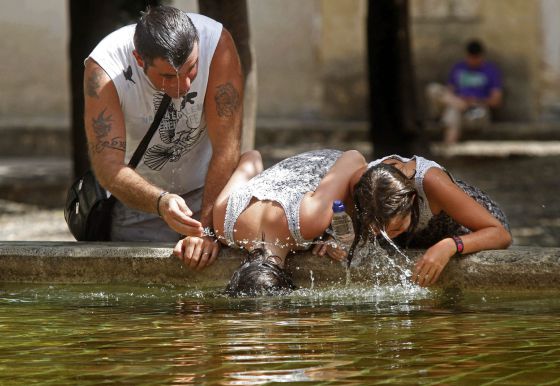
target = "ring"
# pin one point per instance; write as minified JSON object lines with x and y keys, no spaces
{"x":205,"y":253}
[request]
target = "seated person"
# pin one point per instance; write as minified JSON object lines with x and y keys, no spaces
{"x":474,"y":87}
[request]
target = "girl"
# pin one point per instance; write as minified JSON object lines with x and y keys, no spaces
{"x":449,"y":216}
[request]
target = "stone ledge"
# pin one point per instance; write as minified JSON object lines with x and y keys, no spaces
{"x":289,"y":131}
{"x":144,"y":263}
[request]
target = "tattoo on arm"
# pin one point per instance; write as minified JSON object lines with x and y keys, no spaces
{"x":92,"y":83}
{"x":102,"y":126}
{"x":117,"y":143}
{"x":227,"y":100}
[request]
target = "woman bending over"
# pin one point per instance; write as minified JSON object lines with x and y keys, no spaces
{"x":448,"y":216}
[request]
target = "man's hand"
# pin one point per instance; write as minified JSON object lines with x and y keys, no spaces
{"x":175,"y":212}
{"x":197,"y":252}
{"x":330,"y":248}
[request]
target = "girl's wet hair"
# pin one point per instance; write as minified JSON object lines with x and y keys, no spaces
{"x":259,"y":275}
{"x":382,"y":193}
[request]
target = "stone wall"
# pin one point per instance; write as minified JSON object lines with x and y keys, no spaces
{"x":549,"y":86}
{"x":34,"y":73}
{"x":311,"y":55}
{"x":310,"y":58}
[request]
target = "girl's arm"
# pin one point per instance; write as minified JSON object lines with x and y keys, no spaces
{"x":316,"y":207}
{"x":487,"y":231}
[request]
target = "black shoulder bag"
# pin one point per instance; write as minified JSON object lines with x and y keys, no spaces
{"x":88,"y":209}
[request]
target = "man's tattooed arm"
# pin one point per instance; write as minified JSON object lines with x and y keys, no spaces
{"x":227,"y":100}
{"x":106,"y":135}
{"x":102,"y":127}
{"x":92,"y":83}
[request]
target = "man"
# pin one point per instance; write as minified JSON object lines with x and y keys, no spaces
{"x":196,"y":147}
{"x":474,"y":88}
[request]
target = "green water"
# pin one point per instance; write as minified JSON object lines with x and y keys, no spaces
{"x":92,"y":335}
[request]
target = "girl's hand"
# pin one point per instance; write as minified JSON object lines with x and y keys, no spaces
{"x":431,"y":264}
{"x":197,"y":252}
{"x":331,"y":248}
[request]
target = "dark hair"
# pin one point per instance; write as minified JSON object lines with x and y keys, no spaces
{"x":165,"y":32}
{"x":259,"y":275}
{"x":475,"y":47}
{"x":382,"y":193}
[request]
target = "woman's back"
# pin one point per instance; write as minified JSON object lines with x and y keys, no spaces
{"x":281,"y":186}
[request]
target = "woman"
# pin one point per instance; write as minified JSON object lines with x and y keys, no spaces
{"x":450,"y":216}
{"x":287,"y":206}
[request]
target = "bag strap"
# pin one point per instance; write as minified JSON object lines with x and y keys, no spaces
{"x":141,"y":149}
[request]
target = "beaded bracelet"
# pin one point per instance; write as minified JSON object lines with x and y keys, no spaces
{"x":159,"y":200}
{"x":459,"y":244}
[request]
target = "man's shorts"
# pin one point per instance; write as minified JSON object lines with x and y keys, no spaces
{"x":133,"y":225}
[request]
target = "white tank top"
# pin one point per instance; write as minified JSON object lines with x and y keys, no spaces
{"x":178,"y":155}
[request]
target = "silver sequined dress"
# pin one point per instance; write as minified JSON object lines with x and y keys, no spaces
{"x":286,"y":183}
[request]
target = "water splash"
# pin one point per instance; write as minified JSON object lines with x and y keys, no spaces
{"x":177,"y":98}
{"x":392,"y":243}
{"x":372,"y":262}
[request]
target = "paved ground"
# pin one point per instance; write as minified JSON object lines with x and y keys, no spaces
{"x":525,"y":184}
{"x":29,"y":222}
{"x":526,"y":187}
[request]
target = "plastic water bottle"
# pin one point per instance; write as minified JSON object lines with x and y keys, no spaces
{"x":342,"y":225}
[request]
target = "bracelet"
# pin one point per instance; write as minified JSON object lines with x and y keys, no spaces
{"x":159,"y":200}
{"x":209,"y":231}
{"x":459,"y":244}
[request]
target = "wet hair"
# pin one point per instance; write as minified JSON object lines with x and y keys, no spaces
{"x":167,"y":33}
{"x":475,"y":47}
{"x":382,"y":193}
{"x":259,"y":275}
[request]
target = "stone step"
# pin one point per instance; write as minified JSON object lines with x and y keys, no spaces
{"x":140,"y":263}
{"x":291,"y":131}
{"x":44,"y":180}
{"x":273,"y":153}
{"x":283,"y":132}
{"x":52,"y":137}
{"x":38,"y":137}
{"x":497,"y":149}
{"x":40,"y":181}
{"x":35,"y":163}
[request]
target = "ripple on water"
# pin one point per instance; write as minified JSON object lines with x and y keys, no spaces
{"x":168,"y":334}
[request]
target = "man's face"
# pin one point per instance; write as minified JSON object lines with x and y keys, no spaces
{"x":164,"y":77}
{"x":474,"y":61}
